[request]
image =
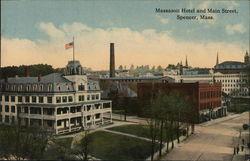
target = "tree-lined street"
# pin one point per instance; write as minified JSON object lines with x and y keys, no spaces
{"x":214,"y":140}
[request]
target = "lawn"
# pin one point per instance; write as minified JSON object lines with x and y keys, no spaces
{"x":59,"y":149}
{"x":109,"y":146}
{"x":138,"y":130}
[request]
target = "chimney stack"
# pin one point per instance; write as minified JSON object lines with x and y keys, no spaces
{"x":26,"y":71}
{"x":112,"y":60}
{"x":39,"y":78}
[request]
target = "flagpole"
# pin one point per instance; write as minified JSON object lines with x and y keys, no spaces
{"x":74,"y":55}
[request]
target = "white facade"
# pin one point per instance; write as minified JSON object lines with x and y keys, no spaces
{"x":232,"y":84}
{"x":54,"y":102}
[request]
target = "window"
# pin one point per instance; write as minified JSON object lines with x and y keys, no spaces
{"x":20,"y":99}
{"x":59,"y":123}
{"x":40,"y":99}
{"x":64,"y":99}
{"x":97,"y":96}
{"x":12,"y":98}
{"x":6,"y":98}
{"x":81,"y":87}
{"x":70,"y":98}
{"x":58,"y":99}
{"x":88,"y":97}
{"x":81,"y":98}
{"x":1,"y":108}
{"x":88,"y":118}
{"x":27,"y":99}
{"x":7,"y":108}
{"x":13,"y":109}
{"x":0,"y":98}
{"x":7,"y":119}
{"x":13,"y":119}
{"x":49,"y":99}
{"x":97,"y":116}
{"x":33,"y":99}
{"x":93,"y":97}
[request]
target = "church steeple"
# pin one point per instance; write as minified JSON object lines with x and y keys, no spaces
{"x":186,"y":64}
{"x":247,"y":58}
{"x":217,"y":59}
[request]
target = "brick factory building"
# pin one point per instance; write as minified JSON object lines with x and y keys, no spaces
{"x":207,"y":96}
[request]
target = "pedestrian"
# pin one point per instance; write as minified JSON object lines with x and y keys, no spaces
{"x":234,"y":151}
{"x":243,"y":141}
{"x":238,"y":149}
{"x":242,"y":147}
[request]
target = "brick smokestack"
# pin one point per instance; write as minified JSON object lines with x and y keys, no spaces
{"x":26,"y":71}
{"x":112,"y":60}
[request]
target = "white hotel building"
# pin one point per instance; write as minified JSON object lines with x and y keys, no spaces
{"x":54,"y":102}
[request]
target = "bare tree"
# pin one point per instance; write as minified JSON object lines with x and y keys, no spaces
{"x":82,"y":148}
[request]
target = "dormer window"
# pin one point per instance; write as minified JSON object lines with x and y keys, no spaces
{"x":81,"y":87}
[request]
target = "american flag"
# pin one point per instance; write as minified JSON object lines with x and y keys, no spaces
{"x":69,"y":45}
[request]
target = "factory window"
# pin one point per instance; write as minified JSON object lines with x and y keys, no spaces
{"x":33,"y":99}
{"x":40,"y":99}
{"x":27,"y":99}
{"x":70,"y":98}
{"x":20,"y":99}
{"x":58,"y":99}
{"x":6,"y":98}
{"x":7,"y":108}
{"x":12,"y":98}
{"x":13,"y":109}
{"x":64,"y":99}
{"x":49,"y":99}
{"x":81,"y":87}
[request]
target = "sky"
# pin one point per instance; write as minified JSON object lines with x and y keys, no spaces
{"x":36,"y":31}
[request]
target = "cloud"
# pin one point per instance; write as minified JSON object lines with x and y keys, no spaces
{"x":163,"y":20}
{"x":131,"y":47}
{"x":232,"y":29}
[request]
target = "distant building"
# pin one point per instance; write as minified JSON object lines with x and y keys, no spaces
{"x":233,"y":67}
{"x":54,"y":102}
{"x":206,"y":96}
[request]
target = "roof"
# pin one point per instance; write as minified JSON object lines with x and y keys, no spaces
{"x":133,"y":78}
{"x":231,"y":65}
{"x":50,"y":78}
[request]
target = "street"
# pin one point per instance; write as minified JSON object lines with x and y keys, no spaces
{"x":214,"y":140}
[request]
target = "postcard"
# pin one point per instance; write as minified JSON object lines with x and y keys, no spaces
{"x":125,"y":80}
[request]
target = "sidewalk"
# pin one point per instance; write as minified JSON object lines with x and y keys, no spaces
{"x":241,"y":155}
{"x":218,"y":120}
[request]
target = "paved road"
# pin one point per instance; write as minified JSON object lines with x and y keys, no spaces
{"x":213,"y":141}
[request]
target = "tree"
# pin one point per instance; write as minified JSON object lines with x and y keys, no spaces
{"x":132,"y":67}
{"x":120,"y":67}
{"x":153,"y":68}
{"x":159,"y":69}
{"x":82,"y":148}
{"x":20,"y":143}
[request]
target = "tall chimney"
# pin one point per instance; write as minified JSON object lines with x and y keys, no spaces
{"x":112,"y":61}
{"x":26,"y":71}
